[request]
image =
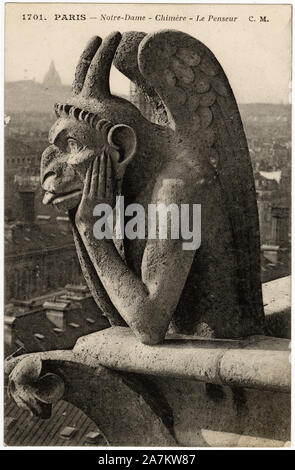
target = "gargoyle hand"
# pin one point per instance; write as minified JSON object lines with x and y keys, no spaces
{"x":99,"y":188}
{"x":33,"y":391}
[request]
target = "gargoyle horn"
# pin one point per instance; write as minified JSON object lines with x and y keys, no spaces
{"x":84,"y":62}
{"x":93,"y":69}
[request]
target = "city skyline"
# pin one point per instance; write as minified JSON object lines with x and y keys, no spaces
{"x":115,"y":90}
{"x":258,"y":63}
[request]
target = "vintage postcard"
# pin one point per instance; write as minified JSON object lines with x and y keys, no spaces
{"x":147,"y":160}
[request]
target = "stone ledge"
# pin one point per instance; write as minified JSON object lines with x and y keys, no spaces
{"x":258,"y":362}
{"x":277,"y":296}
{"x":277,"y":306}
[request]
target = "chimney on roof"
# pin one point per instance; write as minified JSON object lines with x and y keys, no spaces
{"x":56,"y":312}
{"x":9,"y":330}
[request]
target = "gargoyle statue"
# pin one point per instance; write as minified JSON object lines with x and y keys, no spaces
{"x":102,"y":146}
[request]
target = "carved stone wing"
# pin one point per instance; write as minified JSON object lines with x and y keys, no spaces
{"x":202,"y":108}
{"x":126,"y":62}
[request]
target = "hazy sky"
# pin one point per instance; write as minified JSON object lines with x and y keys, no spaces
{"x":256,"y":56}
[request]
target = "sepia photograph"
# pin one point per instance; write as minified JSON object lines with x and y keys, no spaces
{"x":147,"y":227}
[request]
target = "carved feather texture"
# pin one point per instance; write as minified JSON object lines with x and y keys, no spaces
{"x":198,"y":97}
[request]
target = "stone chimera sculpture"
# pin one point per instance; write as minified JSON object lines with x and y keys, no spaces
{"x":102,"y":146}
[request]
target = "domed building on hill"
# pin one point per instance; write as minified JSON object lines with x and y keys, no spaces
{"x":52,"y":78}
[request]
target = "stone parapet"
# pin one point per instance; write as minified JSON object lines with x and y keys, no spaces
{"x":277,"y":306}
{"x":258,"y":362}
{"x":188,"y":391}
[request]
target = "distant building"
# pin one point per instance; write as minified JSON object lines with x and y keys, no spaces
{"x":52,"y":78}
{"x":40,"y":255}
{"x":51,"y":321}
{"x":39,"y":250}
{"x":267,"y":190}
{"x":23,"y":97}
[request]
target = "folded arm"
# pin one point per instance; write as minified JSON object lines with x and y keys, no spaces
{"x":148,"y":302}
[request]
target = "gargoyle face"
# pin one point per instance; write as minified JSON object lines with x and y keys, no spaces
{"x":74,"y":145}
{"x":64,"y":163}
{"x":85,"y":128}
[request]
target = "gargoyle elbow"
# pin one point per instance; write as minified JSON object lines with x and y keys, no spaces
{"x":150,"y":338}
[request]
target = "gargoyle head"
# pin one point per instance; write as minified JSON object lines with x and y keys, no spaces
{"x":33,"y":390}
{"x":92,"y":123}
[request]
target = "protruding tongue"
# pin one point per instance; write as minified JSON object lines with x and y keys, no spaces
{"x":48,"y":197}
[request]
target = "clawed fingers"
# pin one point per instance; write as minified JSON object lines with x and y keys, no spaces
{"x":87,"y":181}
{"x":94,"y":178}
{"x":99,"y":180}
{"x":102,"y":177}
{"x":109,"y":180}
